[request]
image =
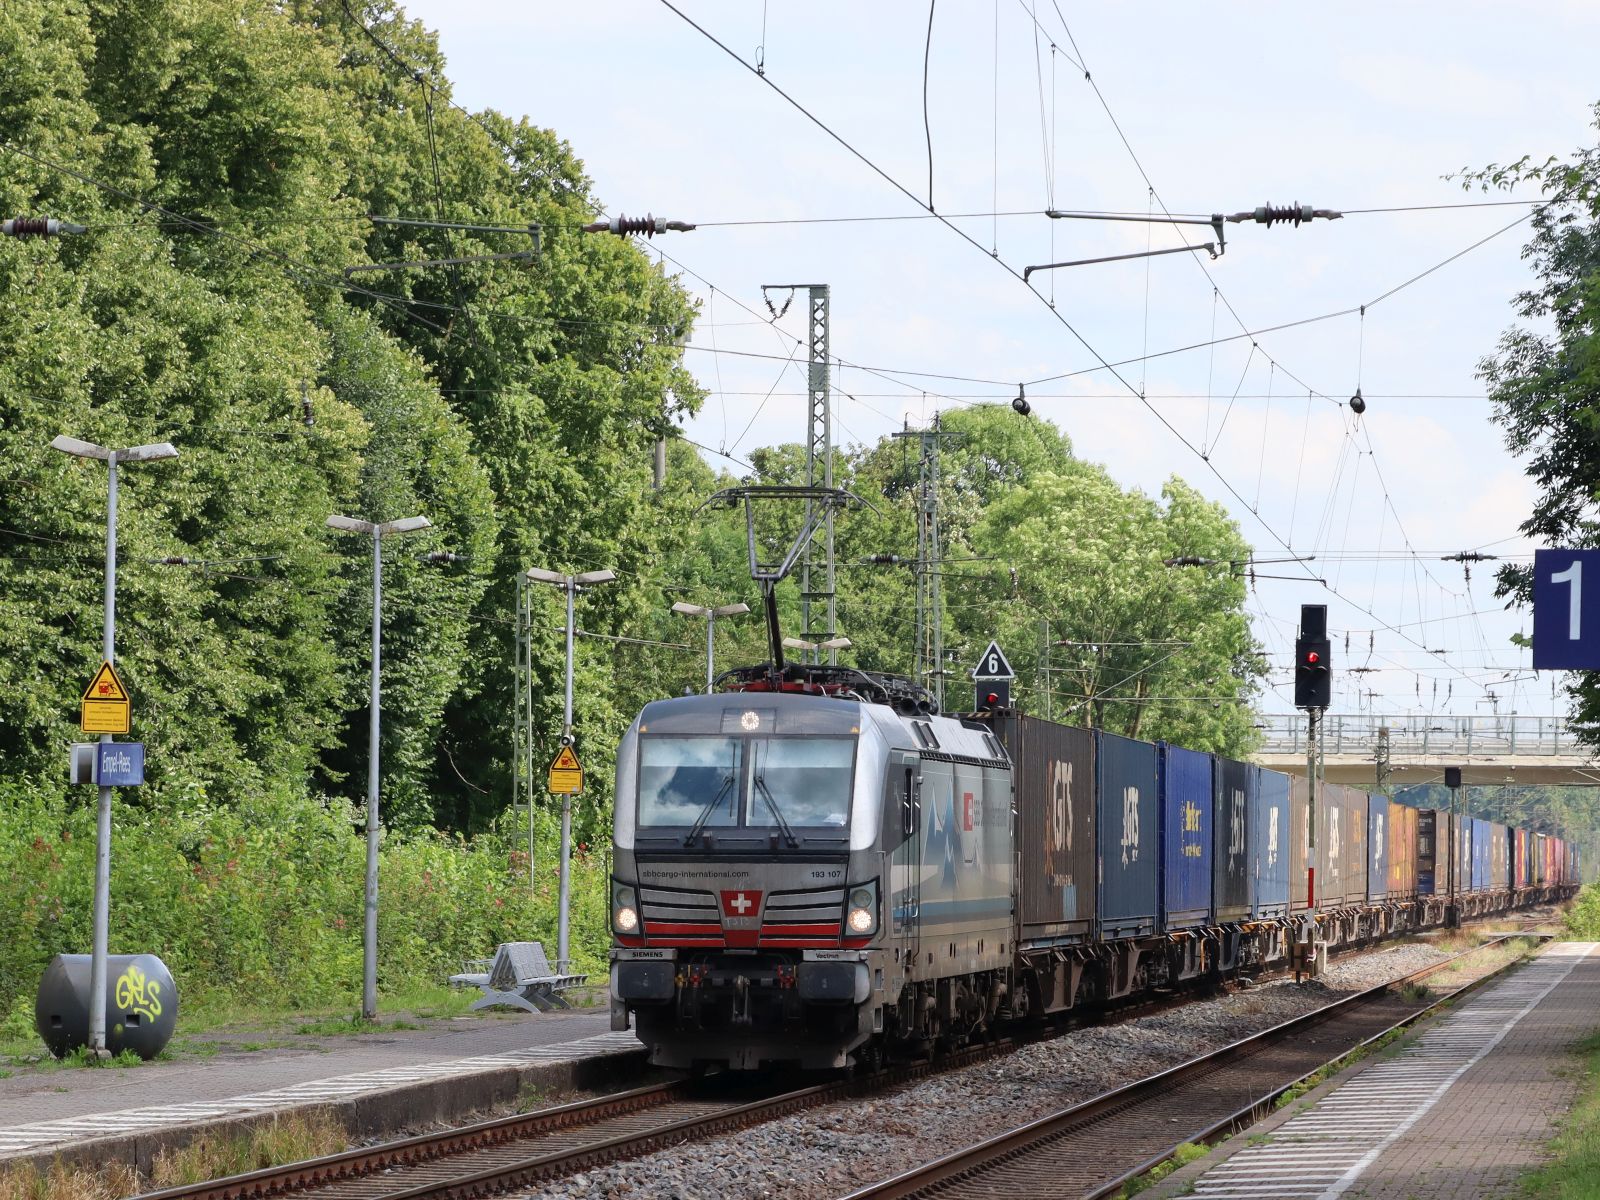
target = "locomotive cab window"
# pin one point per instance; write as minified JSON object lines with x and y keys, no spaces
{"x":684,"y":780}
{"x":774,"y":785}
{"x":802,"y":781}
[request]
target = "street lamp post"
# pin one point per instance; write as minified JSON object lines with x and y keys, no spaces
{"x":369,"y":950}
{"x":569,"y":584}
{"x":102,"y":859}
{"x":711,"y":615}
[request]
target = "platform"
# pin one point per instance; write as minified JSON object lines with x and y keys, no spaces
{"x":1460,"y":1113}
{"x":375,"y":1084}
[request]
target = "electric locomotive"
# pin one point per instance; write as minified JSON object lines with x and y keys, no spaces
{"x":808,"y":872}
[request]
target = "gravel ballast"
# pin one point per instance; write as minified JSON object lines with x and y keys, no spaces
{"x":826,"y":1152}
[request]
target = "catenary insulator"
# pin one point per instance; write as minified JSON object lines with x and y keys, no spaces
{"x":39,"y":227}
{"x":1270,"y":214}
{"x":647,"y":225}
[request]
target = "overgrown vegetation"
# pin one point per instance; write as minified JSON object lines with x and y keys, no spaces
{"x":1583,"y":918}
{"x":260,"y":903}
{"x":1182,"y":1156}
{"x":1574,"y":1173}
{"x":286,"y":1138}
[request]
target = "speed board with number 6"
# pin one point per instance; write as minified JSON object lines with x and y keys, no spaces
{"x":1566,"y":610}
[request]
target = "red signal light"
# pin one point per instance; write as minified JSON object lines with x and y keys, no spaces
{"x":1313,"y":657}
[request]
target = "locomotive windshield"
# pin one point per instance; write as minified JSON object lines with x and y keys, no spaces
{"x":759,"y":783}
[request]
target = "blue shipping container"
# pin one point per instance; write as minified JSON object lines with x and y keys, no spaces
{"x":1128,"y":808}
{"x":1230,"y":855}
{"x":1377,"y":848}
{"x":1185,"y":838}
{"x":1269,"y":845}
{"x":1481,"y":868}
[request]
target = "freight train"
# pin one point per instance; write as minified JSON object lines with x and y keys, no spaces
{"x":820,"y":871}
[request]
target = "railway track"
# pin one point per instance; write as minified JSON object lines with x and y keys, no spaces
{"x":490,"y":1157}
{"x":1091,"y":1150}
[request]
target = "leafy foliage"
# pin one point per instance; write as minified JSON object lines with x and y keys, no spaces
{"x":1544,"y":381}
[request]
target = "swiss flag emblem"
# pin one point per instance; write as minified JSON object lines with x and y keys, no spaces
{"x":742,"y":903}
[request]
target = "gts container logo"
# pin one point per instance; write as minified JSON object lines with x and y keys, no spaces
{"x":1130,"y":825}
{"x":1058,"y":835}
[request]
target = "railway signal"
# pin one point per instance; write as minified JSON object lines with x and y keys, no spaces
{"x":1313,"y":690}
{"x":1313,"y":678}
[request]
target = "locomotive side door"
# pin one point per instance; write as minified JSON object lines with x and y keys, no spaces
{"x":902,"y":836}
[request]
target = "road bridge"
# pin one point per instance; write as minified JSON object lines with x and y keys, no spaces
{"x":1512,"y":749}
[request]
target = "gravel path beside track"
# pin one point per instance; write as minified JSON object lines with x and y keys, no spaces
{"x":825,"y":1153}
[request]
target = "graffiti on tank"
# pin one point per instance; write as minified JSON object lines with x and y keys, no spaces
{"x":137,"y":993}
{"x":1236,"y":834}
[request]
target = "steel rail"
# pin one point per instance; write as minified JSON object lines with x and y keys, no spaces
{"x":948,"y":1174}
{"x":357,"y":1172}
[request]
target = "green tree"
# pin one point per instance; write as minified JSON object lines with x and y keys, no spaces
{"x":1544,"y":380}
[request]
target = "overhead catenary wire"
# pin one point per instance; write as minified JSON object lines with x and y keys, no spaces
{"x":876,"y":169}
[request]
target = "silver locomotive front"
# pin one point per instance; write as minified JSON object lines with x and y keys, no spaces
{"x":747,"y":901}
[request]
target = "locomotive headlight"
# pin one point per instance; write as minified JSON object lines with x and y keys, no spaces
{"x":624,"y":909}
{"x":861,"y":915}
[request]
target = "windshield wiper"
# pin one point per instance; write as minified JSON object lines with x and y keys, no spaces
{"x":711,"y":807}
{"x":772,"y":804}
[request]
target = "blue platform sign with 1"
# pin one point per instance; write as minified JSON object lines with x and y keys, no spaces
{"x":1566,"y":610}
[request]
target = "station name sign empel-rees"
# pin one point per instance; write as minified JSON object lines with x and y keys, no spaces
{"x":109,"y":764}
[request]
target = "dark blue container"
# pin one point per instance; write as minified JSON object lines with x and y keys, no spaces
{"x":1269,"y":845}
{"x":1128,"y":810}
{"x":1230,"y":853}
{"x":1481,"y":857}
{"x":1377,"y":848}
{"x":1185,"y":838}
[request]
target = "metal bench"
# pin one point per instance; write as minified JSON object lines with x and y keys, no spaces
{"x":518,"y":975}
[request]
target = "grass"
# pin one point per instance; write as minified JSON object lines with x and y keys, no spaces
{"x":350,"y":1023}
{"x":289,"y":1138}
{"x":1185,"y":1154}
{"x":1574,"y":1173}
{"x":211,"y":1027}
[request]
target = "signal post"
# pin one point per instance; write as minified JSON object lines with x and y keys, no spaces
{"x":1313,"y":691}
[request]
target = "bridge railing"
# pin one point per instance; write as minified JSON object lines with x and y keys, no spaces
{"x":1410,"y":736}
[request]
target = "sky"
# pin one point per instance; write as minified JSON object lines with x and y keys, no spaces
{"x":1156,"y":108}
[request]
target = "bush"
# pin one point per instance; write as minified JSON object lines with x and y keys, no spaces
{"x":259,"y":902}
{"x":1583,"y":922}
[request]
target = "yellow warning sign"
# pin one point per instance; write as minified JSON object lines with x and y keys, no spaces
{"x":107,"y":707}
{"x":566,"y":774}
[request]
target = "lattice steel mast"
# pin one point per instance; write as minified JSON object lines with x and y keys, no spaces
{"x":819,"y":450}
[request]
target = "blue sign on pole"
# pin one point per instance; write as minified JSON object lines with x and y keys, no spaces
{"x":1566,"y":612}
{"x":121,"y":764}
